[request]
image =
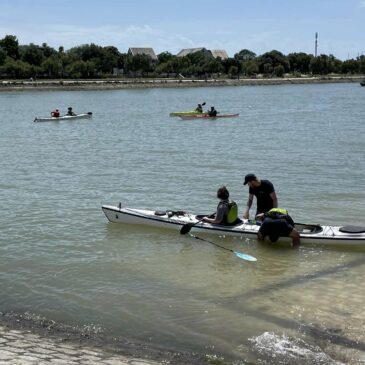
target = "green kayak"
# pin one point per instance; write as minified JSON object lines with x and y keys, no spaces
{"x":189,"y":113}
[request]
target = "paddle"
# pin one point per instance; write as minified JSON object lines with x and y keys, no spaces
{"x":240,"y":255}
{"x":188,"y":226}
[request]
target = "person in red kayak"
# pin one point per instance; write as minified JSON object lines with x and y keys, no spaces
{"x":212,"y":112}
{"x":55,"y":113}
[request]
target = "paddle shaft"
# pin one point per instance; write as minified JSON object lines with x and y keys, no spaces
{"x":213,"y":243}
{"x":188,"y":226}
{"x":240,"y":255}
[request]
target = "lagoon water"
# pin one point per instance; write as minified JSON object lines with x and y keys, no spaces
{"x":61,"y":260}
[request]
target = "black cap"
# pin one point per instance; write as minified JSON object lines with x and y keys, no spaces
{"x":248,"y":178}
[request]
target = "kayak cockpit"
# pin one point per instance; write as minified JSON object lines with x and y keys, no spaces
{"x":308,"y":228}
{"x":352,"y":229}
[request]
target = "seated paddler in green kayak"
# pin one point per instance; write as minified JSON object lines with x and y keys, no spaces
{"x":199,"y":108}
{"x":227,"y":210}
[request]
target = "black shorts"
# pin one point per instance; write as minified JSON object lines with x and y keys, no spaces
{"x":275,"y":228}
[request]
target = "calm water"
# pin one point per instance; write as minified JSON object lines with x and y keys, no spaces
{"x":61,"y":260}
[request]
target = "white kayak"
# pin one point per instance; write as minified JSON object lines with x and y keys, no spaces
{"x":64,"y":117}
{"x":309,"y":233}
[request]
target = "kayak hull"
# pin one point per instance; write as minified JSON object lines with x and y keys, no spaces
{"x":64,"y":117}
{"x":188,"y":113}
{"x":309,"y":233}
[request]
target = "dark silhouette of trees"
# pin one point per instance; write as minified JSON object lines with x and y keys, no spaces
{"x":91,"y":61}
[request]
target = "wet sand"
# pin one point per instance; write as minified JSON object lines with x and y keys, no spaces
{"x":111,"y":84}
{"x":27,"y":341}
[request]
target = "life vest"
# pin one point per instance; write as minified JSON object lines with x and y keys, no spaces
{"x":278,"y":210}
{"x":279,"y":213}
{"x":232,"y":212}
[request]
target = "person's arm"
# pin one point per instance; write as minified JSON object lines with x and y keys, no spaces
{"x":274,"y":199}
{"x":219,"y":216}
{"x":246,"y":214}
{"x":212,"y":220}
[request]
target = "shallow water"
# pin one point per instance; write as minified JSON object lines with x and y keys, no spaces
{"x":61,"y":259}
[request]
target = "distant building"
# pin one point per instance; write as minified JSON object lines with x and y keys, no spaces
{"x":184,"y":52}
{"x":219,"y":53}
{"x":143,"y":51}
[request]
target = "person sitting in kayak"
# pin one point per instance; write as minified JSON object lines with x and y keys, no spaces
{"x":227,"y":210}
{"x":55,"y":113}
{"x":199,"y":108}
{"x":212,"y":112}
{"x":70,"y":112}
{"x":277,"y":223}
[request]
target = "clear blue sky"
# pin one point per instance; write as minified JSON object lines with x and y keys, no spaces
{"x":168,"y":25}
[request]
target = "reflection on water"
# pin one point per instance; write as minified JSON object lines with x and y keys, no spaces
{"x":61,"y":260}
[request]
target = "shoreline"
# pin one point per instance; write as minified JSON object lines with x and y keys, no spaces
{"x":118,"y":84}
{"x":21,"y":337}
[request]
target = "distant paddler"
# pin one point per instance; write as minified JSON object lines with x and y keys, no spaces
{"x":199,"y":108}
{"x":70,"y":111}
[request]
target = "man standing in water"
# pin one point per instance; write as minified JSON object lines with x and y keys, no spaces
{"x":264,"y":192}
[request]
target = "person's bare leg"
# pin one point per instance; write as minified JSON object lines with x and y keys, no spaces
{"x":294,"y":234}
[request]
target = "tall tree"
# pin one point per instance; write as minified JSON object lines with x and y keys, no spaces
{"x":11,"y":46}
{"x":273,"y":58}
{"x":299,"y":62}
{"x":245,"y":55}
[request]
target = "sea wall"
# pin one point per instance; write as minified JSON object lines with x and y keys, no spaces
{"x":147,"y":83}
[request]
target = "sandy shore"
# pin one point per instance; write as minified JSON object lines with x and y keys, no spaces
{"x":114,"y":84}
{"x":26,"y":341}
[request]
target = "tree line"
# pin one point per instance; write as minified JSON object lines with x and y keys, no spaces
{"x":93,"y":61}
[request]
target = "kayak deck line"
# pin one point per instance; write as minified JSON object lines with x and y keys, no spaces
{"x":309,"y":233}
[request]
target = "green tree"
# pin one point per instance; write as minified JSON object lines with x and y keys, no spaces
{"x":323,"y":64}
{"x":11,"y":46}
{"x":245,"y":55}
{"x":361,"y":61}
{"x":279,"y":71}
{"x":267,"y":68}
{"x":139,"y":63}
{"x":299,"y":62}
{"x":213,"y":66}
{"x":164,"y":57}
{"x":274,"y":58}
{"x":109,"y":59}
{"x":250,"y":68}
{"x":166,"y":68}
{"x":17,"y":69}
{"x":350,"y":67}
{"x":81,"y":68}
{"x":229,"y":63}
{"x":53,"y":66}
{"x":48,"y":51}
{"x":2,"y":56}
{"x":200,"y":57}
{"x":32,"y":54}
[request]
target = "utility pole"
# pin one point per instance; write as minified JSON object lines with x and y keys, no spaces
{"x":315,"y":46}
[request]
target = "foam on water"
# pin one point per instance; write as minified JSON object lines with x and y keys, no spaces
{"x":281,"y":349}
